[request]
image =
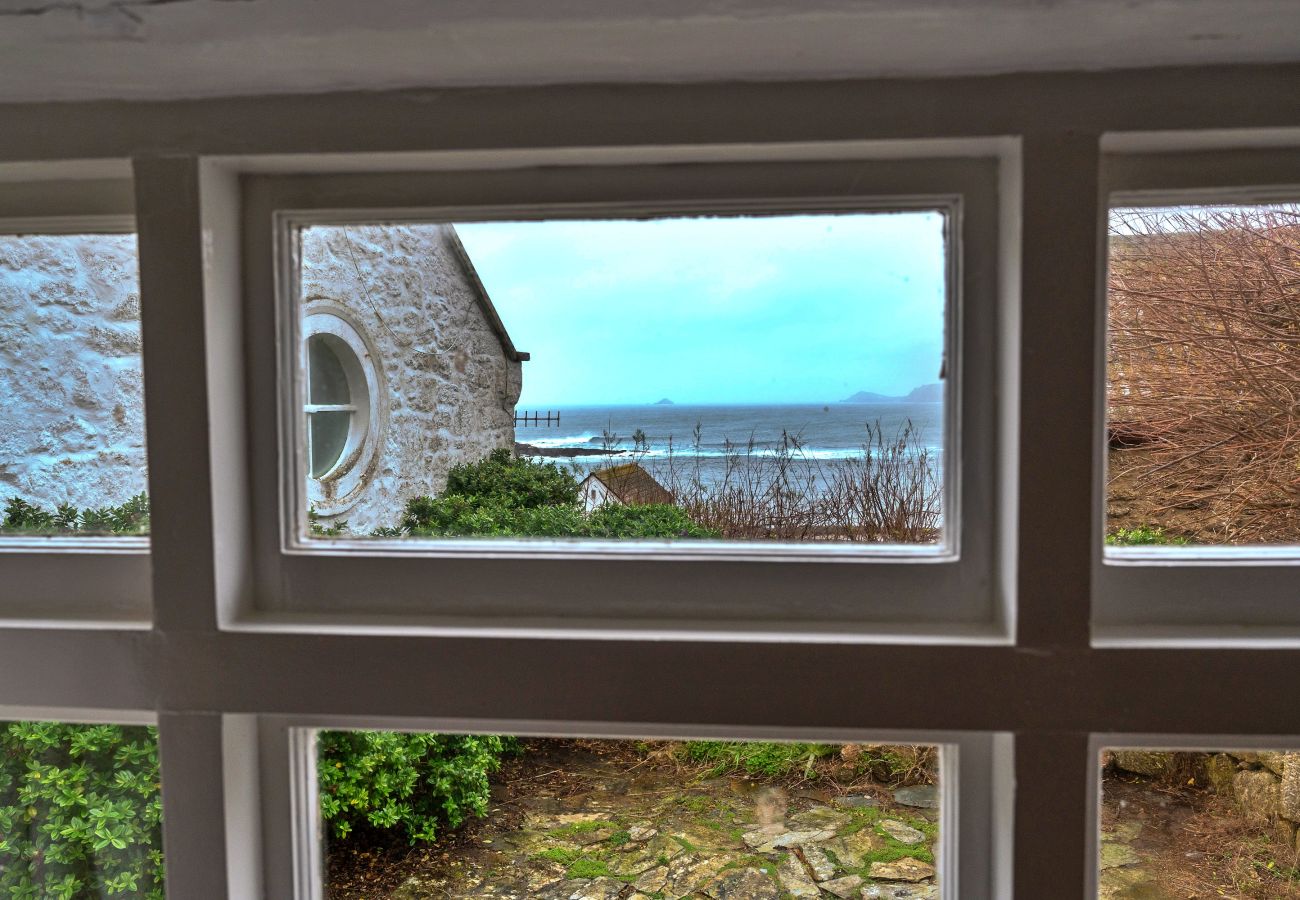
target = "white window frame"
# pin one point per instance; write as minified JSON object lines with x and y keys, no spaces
{"x":102,"y":579}
{"x":1202,"y":743}
{"x":1195,"y":594}
{"x":968,"y":850}
{"x":368,"y":404}
{"x":953,"y":592}
{"x":219,"y":695}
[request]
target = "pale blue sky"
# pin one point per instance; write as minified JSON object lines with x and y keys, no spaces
{"x":779,"y":309}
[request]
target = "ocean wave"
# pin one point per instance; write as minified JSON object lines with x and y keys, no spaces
{"x":819,"y":454}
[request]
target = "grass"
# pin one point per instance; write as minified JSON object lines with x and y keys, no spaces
{"x":757,"y":758}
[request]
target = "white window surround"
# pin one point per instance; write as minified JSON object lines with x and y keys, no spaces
{"x":1168,"y":742}
{"x":950,"y":592}
{"x":1166,"y":596}
{"x":968,"y":851}
{"x":218,"y":694}
{"x":110,"y":575}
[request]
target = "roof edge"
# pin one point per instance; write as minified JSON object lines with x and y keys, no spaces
{"x":481,"y":296}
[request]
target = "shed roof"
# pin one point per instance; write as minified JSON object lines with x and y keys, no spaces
{"x":632,"y":484}
{"x":481,"y":295}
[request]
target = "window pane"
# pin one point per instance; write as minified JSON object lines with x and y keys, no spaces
{"x":457,"y":816}
{"x":72,"y":455}
{"x":775,"y":378}
{"x":328,"y":433}
{"x":327,"y":382}
{"x":80,"y":811}
{"x":1204,"y":375}
{"x":1199,"y":824}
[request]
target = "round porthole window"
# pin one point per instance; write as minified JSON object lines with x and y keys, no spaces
{"x":342,"y":406}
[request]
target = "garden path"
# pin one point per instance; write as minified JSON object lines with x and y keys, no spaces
{"x":613,"y":831}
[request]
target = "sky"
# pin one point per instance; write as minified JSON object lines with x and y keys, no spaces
{"x":755,"y":309}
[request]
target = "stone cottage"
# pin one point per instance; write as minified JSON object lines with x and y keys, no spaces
{"x":409,"y":369}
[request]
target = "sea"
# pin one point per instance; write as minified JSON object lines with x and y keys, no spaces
{"x":816,"y":433}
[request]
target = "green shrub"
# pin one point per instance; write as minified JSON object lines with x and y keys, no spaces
{"x":131,"y":517}
{"x":415,"y":783}
{"x":456,"y":515}
{"x":80,"y":812}
{"x":505,"y":480}
{"x":502,"y":496}
{"x":459,"y":516}
{"x":656,"y":520}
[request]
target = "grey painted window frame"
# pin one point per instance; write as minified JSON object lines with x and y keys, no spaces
{"x":953,"y":592}
{"x":219,"y":696}
{"x":1168,"y":596}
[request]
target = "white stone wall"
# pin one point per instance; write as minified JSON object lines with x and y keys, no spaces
{"x":450,"y":389}
{"x":70,"y":374}
{"x":70,"y":366}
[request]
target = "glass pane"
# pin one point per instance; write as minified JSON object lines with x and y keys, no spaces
{"x":1199,"y":824}
{"x":328,"y":434}
{"x":758,"y":378}
{"x":80,"y":811}
{"x":72,"y":453}
{"x":1204,"y":375}
{"x":461,"y":816}
{"x":327,"y":383}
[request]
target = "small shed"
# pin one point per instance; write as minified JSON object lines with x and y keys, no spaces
{"x":627,"y":484}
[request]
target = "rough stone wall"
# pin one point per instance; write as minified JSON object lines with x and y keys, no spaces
{"x":71,"y":376}
{"x":70,"y":370}
{"x":450,"y":389}
{"x":1264,"y":785}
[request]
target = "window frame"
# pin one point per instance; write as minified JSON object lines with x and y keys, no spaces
{"x":366,"y":405}
{"x":951,"y":594}
{"x":1204,"y":743}
{"x":100,"y":579}
{"x":217,"y":693}
{"x":968,"y":850}
{"x":1170,"y":596}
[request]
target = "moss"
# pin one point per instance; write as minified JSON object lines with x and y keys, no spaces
{"x":685,"y":844}
{"x":860,"y":818}
{"x":752,"y":861}
{"x":577,"y":828}
{"x":587,"y":867}
{"x":559,"y":855}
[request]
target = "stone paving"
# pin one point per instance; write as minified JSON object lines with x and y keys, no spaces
{"x":648,"y":837}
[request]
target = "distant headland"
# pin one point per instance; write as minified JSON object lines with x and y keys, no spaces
{"x":926,"y":393}
{"x":664,"y":402}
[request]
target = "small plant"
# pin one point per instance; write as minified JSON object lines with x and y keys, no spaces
{"x":130,"y":518}
{"x":317,"y":529}
{"x":80,"y":811}
{"x":1143,"y":536}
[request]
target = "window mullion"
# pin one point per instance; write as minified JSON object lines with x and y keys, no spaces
{"x":1061,"y":237}
{"x":202,"y":809}
{"x":193,"y":363}
{"x":1055,"y":812}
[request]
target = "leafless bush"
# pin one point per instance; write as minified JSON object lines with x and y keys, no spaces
{"x":1204,"y":360}
{"x":889,"y":493}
